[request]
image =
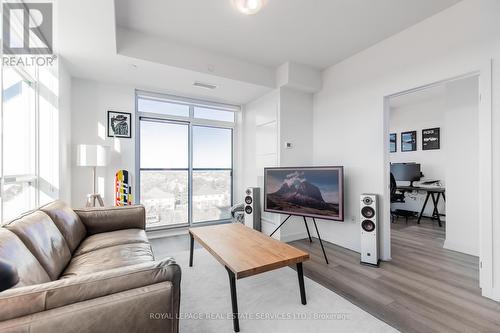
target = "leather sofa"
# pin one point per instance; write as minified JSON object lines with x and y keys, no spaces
{"x":89,"y":270}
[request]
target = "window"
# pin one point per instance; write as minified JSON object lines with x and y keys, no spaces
{"x":19,"y":143}
{"x":212,"y":173}
{"x":185,"y":158}
{"x":212,"y":114}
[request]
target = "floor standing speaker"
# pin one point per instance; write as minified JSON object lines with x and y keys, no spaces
{"x":252,"y":208}
{"x":369,"y":229}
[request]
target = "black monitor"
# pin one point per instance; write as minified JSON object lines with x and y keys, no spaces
{"x":408,"y":172}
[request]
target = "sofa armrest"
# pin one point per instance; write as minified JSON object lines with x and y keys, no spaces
{"x":28,"y":300}
{"x":98,"y":220}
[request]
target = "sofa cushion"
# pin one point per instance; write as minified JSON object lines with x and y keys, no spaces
{"x":14,"y":251}
{"x":41,"y":236}
{"x":109,"y":258}
{"x":68,"y":223}
{"x":105,"y":219}
{"x":107,"y":239}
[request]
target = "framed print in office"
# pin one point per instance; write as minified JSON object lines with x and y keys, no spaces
{"x":393,"y":147}
{"x":409,"y":141}
{"x":431,"y":139}
{"x":119,"y":124}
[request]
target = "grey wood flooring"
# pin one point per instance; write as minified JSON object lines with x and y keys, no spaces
{"x":425,"y":288}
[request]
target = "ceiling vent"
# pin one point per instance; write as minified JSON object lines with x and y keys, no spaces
{"x":204,"y":85}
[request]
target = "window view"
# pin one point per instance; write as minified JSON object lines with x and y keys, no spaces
{"x":164,"y":172}
{"x":19,"y":153}
{"x":185,"y":169}
{"x":212,"y":163}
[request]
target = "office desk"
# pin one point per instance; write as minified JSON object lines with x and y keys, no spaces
{"x":434,"y":193}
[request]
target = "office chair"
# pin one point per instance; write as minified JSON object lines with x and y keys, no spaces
{"x":396,"y":197}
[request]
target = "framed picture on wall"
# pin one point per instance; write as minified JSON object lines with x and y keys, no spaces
{"x":119,"y":124}
{"x":409,"y":141}
{"x":431,"y":139}
{"x":393,"y":147}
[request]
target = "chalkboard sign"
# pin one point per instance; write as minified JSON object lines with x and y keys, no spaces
{"x":430,"y":139}
{"x":409,"y":141}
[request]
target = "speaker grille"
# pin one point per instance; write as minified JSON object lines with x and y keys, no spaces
{"x":368,"y":225}
{"x":367,"y":212}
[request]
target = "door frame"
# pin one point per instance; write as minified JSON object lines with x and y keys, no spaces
{"x":485,"y":160}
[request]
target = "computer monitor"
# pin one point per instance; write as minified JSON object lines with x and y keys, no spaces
{"x":408,"y":172}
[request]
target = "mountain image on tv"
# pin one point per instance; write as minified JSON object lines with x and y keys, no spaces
{"x":308,"y":192}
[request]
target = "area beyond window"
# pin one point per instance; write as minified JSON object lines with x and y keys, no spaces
{"x":185,"y":151}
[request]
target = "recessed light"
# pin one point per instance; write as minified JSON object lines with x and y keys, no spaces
{"x":248,"y":7}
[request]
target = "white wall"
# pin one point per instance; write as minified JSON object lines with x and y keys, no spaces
{"x":64,"y":133}
{"x":349,"y":122}
{"x":260,"y":147}
{"x":90,"y":102}
{"x":462,"y":225}
{"x":296,"y":128}
{"x":54,"y":86}
{"x":426,"y":113}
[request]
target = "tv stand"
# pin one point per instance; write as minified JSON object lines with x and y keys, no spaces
{"x":308,"y":233}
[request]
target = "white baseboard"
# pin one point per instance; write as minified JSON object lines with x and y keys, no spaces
{"x":459,"y":248}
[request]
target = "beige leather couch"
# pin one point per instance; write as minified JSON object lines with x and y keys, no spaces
{"x":89,"y":270}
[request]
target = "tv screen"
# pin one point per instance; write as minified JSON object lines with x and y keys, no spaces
{"x":311,"y":191}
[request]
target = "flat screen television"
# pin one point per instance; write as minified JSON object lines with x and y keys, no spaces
{"x":309,"y":191}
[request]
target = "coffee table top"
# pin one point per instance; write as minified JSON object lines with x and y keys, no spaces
{"x":245,"y":251}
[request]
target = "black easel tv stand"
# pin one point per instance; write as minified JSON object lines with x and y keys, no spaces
{"x":308,"y":233}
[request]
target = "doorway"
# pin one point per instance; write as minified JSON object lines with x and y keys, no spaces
{"x":434,"y":158}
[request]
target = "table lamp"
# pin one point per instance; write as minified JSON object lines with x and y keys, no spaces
{"x":92,"y":156}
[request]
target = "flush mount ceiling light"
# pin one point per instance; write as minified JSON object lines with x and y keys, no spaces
{"x":248,"y":7}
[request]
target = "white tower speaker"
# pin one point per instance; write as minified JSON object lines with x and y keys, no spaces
{"x":252,"y":208}
{"x":369,"y":229}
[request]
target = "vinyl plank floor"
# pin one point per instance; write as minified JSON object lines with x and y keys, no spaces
{"x":425,"y":288}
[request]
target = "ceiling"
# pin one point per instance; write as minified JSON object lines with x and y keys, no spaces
{"x":318,"y":33}
{"x":166,"y":45}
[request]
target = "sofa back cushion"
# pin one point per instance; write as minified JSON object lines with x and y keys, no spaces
{"x":68,"y":223}
{"x":41,"y":236}
{"x":13,"y":250}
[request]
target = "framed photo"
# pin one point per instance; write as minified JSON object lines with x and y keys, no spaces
{"x":119,"y":124}
{"x":409,"y":141}
{"x":431,"y":138}
{"x":393,"y":147}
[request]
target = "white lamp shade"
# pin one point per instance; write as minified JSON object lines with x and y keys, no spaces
{"x":91,"y":155}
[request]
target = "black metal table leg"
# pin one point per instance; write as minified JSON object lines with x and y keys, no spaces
{"x":300,"y":275}
{"x":307,"y":228}
{"x":435,"y":212}
{"x":423,"y":207}
{"x":191,"y":248}
{"x":320,"y":241}
{"x":234,"y":300}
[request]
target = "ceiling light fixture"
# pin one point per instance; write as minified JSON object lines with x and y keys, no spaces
{"x":249,"y":7}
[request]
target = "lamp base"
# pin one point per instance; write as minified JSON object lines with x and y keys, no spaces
{"x":92,"y":198}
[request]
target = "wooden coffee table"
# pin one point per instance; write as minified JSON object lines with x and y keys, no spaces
{"x":245,"y":252}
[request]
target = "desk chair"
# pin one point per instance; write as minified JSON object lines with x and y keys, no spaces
{"x":397,"y":197}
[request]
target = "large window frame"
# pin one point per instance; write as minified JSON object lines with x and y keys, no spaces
{"x":191,"y":122}
{"x":31,"y":180}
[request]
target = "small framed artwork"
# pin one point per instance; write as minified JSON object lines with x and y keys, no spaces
{"x":119,"y":124}
{"x":393,"y":147}
{"x":409,"y":141}
{"x":431,"y":139}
